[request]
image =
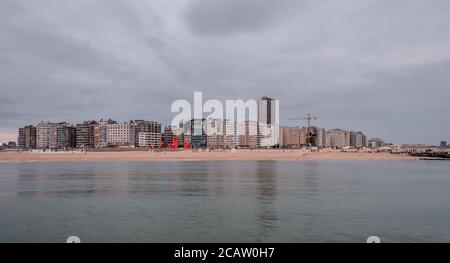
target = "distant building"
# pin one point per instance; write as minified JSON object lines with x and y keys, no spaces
{"x":94,"y":134}
{"x":82,"y":132}
{"x":88,"y":134}
{"x":443,"y":144}
{"x":321,"y":138}
{"x":295,"y":137}
{"x":268,"y":132}
{"x":337,"y":138}
{"x":229,"y":134}
{"x":269,"y":136}
{"x":199,"y":138}
{"x":230,"y":139}
{"x":167,"y":136}
{"x":27,"y":138}
{"x":348,"y":140}
{"x":292,"y":137}
{"x":311,"y":136}
{"x":121,"y":134}
{"x":248,"y":134}
{"x":376,"y":143}
{"x":178,"y":133}
{"x":103,"y":130}
{"x":215,"y":133}
{"x":267,"y":111}
{"x":289,"y":137}
{"x":65,"y":136}
{"x":149,"y":139}
{"x":12,"y":145}
{"x":141,"y":126}
{"x":357,"y":140}
{"x":46,"y":134}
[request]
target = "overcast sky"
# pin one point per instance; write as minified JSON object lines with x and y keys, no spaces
{"x":379,"y":66}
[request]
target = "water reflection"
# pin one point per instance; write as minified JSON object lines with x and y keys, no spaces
{"x":309,"y":174}
{"x":266,"y":194}
{"x":193,"y":181}
{"x":61,"y":180}
{"x":137,"y":180}
{"x":224,"y":201}
{"x":309,"y":195}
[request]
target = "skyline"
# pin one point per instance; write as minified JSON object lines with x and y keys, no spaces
{"x":213,"y":131}
{"x":376,"y":66}
{"x":196,"y":133}
{"x":299,"y":123}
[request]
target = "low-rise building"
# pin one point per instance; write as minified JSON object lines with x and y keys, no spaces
{"x":375,"y":143}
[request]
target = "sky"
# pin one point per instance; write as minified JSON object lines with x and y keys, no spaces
{"x":379,"y":66}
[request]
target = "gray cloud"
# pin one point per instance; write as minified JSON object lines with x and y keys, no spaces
{"x":218,"y":17}
{"x":374,"y":65}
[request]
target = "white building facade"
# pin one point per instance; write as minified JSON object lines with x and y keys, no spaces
{"x":120,"y":134}
{"x":149,"y":139}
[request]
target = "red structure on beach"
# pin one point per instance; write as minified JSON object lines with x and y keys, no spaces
{"x":175,"y":144}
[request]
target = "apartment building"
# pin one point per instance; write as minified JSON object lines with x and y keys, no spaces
{"x":149,"y":139}
{"x":337,"y":138}
{"x":215,"y":133}
{"x":46,"y":135}
{"x":167,"y":137}
{"x":358,"y":140}
{"x":88,"y":134}
{"x":269,"y":136}
{"x":248,"y":134}
{"x":27,"y":137}
{"x":65,"y":136}
{"x":230,"y":139}
{"x":199,"y":138}
{"x":268,"y":123}
{"x":290,"y":137}
{"x":142,"y":126}
{"x":121,"y":134}
{"x":321,"y":138}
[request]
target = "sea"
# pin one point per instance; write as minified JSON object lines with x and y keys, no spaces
{"x":225,"y":201}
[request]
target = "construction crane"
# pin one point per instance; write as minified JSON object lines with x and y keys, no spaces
{"x":308,"y":118}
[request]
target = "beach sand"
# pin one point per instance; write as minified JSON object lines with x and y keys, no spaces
{"x":189,"y":155}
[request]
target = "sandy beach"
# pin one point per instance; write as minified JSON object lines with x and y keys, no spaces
{"x":200,"y":156}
